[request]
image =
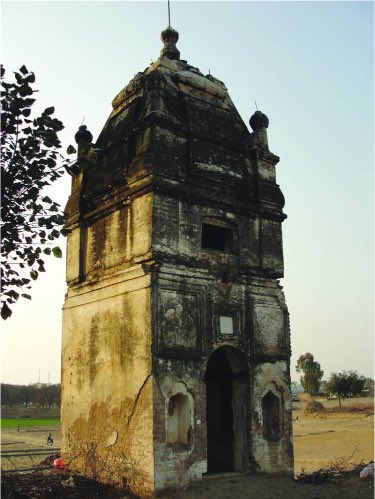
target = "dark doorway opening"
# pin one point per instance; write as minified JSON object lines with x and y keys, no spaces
{"x":227,"y":393}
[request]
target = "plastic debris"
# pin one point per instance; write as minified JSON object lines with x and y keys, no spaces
{"x":368,"y":471}
{"x":59,"y":463}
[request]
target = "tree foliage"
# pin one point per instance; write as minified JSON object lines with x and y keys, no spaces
{"x":312,"y":373}
{"x":30,"y":161}
{"x":346,"y":384}
{"x":36,"y":394}
{"x":369,"y":385}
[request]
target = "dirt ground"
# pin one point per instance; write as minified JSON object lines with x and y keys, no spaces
{"x":234,"y":487}
{"x":324,"y":437}
{"x":319,"y":439}
{"x":27,"y":439}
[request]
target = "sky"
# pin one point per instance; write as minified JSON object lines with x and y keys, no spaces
{"x":308,"y":66}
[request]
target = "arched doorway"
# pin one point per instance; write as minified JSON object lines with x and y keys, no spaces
{"x":227,"y":390}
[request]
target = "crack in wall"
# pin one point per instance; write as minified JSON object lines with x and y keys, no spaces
{"x":130,"y":417}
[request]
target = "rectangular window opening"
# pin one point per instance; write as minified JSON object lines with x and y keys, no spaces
{"x":217,"y":238}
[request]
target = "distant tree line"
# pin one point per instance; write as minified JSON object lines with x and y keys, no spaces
{"x":344,"y":384}
{"x":37,"y":394}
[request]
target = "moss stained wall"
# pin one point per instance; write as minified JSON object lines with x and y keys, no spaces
{"x":106,"y":379}
{"x":107,"y":370}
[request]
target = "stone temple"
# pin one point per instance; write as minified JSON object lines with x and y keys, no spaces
{"x":176,"y":345}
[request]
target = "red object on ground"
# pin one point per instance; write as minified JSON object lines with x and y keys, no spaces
{"x":59,"y":463}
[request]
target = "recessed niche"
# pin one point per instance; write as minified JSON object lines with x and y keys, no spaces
{"x":178,"y":419}
{"x":271,"y":416}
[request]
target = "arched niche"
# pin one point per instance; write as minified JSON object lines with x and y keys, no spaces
{"x":179,"y":418}
{"x":271,"y":415}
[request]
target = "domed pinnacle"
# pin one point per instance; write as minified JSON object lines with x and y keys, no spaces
{"x":258,"y":120}
{"x":170,"y":37}
{"x":259,"y":123}
{"x":83,"y":135}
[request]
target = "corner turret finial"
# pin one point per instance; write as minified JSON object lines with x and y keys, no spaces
{"x":259,"y":123}
{"x":83,"y":138}
{"x":170,"y":37}
{"x":83,"y":135}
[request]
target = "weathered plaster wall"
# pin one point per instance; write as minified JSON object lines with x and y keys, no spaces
{"x":272,"y":455}
{"x":107,"y":408}
{"x":260,"y":331}
{"x":103,"y":245}
{"x":179,"y":463}
{"x":178,"y":231}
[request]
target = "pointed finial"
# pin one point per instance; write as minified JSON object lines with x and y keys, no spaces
{"x":170,"y":37}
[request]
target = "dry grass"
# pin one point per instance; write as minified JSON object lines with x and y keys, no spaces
{"x":323,"y":437}
{"x":361,"y":408}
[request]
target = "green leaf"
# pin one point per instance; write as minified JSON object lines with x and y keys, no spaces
{"x":41,"y":268}
{"x":34,"y":275}
{"x":24,"y":90}
{"x":31,"y":78}
{"x":47,"y":199}
{"x":13,"y":294}
{"x":23,"y":70}
{"x":49,"y":110}
{"x":28,"y":297}
{"x":5,"y":312}
{"x":57,"y":252}
{"x":47,"y":251}
{"x":71,"y":149}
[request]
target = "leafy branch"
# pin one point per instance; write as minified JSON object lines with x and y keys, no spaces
{"x":30,"y":162}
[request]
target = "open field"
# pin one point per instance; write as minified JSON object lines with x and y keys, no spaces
{"x":319,"y":439}
{"x":28,"y":447}
{"x":25,"y":423}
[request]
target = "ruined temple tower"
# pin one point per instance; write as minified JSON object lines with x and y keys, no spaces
{"x":176,"y":341}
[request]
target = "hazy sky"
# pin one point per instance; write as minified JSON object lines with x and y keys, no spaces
{"x":309,"y":66}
